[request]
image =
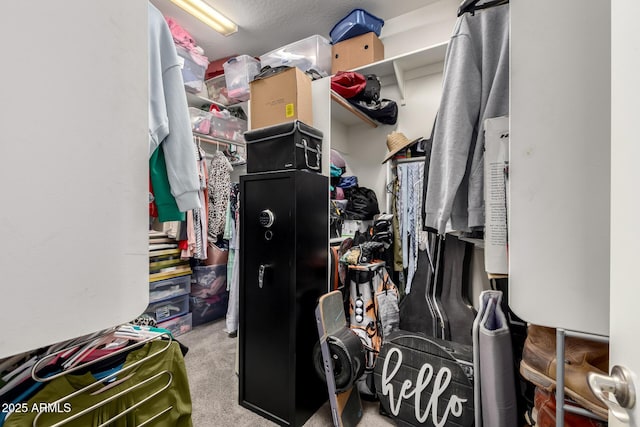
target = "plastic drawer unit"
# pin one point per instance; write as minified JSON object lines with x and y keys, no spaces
{"x":312,"y":53}
{"x":169,"y":308}
{"x":169,"y":288}
{"x":178,"y":325}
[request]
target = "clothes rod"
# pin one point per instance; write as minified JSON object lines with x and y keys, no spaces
{"x":216,"y":141}
{"x":411,"y":160}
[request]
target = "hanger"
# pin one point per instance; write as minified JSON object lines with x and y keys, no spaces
{"x":114,"y":397}
{"x":156,"y":416}
{"x":136,"y":333}
{"x":472,"y":5}
{"x":143,"y":334}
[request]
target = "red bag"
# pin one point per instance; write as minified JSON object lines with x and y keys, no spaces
{"x":215,"y":67}
{"x":348,"y":83}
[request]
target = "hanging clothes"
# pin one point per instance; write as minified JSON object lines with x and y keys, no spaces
{"x":475,"y":87}
{"x":410,"y":178}
{"x":232,"y":234}
{"x":172,"y":161}
{"x":219,"y":189}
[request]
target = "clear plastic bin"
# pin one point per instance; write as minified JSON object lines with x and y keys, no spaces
{"x":192,"y":72}
{"x":312,"y":53}
{"x":237,"y":128}
{"x":169,"y":288}
{"x":238,"y":72}
{"x":357,"y":22}
{"x":200,"y":121}
{"x":217,"y":91}
{"x":178,"y":325}
{"x":226,"y":126}
{"x":169,"y":308}
{"x":206,"y":310}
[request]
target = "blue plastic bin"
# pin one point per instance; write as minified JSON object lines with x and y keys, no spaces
{"x":357,"y":22}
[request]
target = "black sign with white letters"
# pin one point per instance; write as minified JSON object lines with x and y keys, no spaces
{"x":424,"y":381}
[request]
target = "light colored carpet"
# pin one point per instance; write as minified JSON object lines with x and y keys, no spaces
{"x":214,"y":385}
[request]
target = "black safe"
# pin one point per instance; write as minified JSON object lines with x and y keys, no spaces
{"x":283,"y":271}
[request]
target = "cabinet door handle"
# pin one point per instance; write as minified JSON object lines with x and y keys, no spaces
{"x":620,"y":384}
{"x":261,"y":273}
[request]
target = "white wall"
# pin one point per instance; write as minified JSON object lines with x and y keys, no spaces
{"x":559,"y":167}
{"x":423,"y":27}
{"x":364,"y":147}
{"x":74,"y":186}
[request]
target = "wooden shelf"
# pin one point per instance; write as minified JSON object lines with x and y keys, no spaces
{"x":344,"y":112}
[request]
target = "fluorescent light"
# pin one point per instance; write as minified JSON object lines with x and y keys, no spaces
{"x":208,"y":15}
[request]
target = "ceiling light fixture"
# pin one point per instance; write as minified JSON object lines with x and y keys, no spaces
{"x":208,"y":15}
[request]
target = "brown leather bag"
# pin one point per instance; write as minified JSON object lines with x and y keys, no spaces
{"x":215,"y":255}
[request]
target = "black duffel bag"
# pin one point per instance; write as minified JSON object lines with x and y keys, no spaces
{"x":371,"y":92}
{"x":362,"y":203}
{"x":384,"y":111}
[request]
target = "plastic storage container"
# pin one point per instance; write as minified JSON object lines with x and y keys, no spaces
{"x":169,"y":288}
{"x":192,"y":72}
{"x":312,"y":53}
{"x":357,"y":22}
{"x":178,"y":325}
{"x":208,"y":309}
{"x":208,"y":280}
{"x":217,"y":91}
{"x":169,"y":308}
{"x":238,"y":72}
{"x":200,"y":120}
{"x":226,"y":126}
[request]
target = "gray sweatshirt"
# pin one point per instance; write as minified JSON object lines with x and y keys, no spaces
{"x":475,"y":87}
{"x":169,"y":122}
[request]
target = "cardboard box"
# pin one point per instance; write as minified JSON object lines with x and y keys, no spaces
{"x":356,"y":51}
{"x":283,"y":97}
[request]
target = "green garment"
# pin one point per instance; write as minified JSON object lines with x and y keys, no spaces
{"x":167,"y":206}
{"x":177,"y":395}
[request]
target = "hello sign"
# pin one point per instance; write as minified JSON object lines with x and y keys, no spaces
{"x":425,"y":381}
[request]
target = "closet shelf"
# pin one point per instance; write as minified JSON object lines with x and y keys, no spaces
{"x":391,"y":71}
{"x":195,"y":100}
{"x":347,"y":113}
{"x":399,"y":69}
{"x":216,"y":141}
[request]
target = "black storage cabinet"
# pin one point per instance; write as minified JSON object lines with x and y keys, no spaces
{"x":283,"y":271}
{"x":286,"y":146}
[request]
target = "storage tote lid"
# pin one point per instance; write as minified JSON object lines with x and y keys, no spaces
{"x":282,"y":129}
{"x":357,"y":22}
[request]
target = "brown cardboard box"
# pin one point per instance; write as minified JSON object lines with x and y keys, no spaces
{"x":356,"y":51}
{"x":280,"y":98}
